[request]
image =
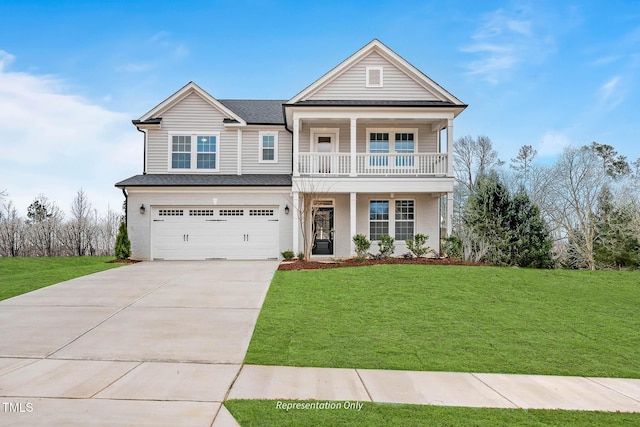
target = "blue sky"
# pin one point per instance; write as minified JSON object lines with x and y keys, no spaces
{"x":74,"y":73}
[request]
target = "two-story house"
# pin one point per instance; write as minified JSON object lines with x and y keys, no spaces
{"x":368,"y":145}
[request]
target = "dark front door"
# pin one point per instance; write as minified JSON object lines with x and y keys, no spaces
{"x":323,"y":231}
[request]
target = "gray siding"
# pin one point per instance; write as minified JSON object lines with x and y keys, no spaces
{"x":191,"y":114}
{"x":351,"y":84}
{"x":427,"y":139}
{"x":251,"y":153}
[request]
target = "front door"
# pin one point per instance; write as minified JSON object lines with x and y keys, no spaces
{"x":324,"y":147}
{"x":323,"y":231}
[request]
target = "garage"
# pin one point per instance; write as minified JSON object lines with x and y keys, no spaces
{"x":226,"y":232}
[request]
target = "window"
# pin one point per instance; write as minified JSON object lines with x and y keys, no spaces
{"x":268,"y":147}
{"x":379,"y":143}
{"x":402,"y":150}
{"x":203,"y":147}
{"x":378,"y":219}
{"x":404,"y":219}
{"x":404,"y":144}
{"x":374,"y":77}
{"x":181,"y":152}
{"x":207,"y":152}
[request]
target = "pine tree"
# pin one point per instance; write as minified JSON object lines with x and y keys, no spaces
{"x":123,"y":245}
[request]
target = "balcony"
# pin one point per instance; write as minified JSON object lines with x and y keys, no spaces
{"x":369,"y":164}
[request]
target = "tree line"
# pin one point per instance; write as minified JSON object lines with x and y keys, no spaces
{"x":582,"y":211}
{"x":46,"y":231}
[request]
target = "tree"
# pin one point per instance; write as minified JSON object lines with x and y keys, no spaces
{"x":615,"y":165}
{"x":12,"y":230}
{"x":504,"y":230}
{"x":123,"y":245}
{"x":578,"y":181}
{"x":44,"y":223}
{"x":523,"y":164}
{"x":474,"y":158}
{"x":78,"y":232}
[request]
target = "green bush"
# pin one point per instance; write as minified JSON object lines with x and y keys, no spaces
{"x":362,"y":245}
{"x":288,"y":255}
{"x":386,"y":245}
{"x":123,"y":245}
{"x":417,"y":245}
{"x":452,"y":247}
{"x":301,"y":256}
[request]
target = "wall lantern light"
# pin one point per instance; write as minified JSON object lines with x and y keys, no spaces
{"x":286,"y":209}
{"x":142,"y":209}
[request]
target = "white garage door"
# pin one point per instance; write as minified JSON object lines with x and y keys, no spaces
{"x":197,"y":233}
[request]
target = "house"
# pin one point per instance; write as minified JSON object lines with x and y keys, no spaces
{"x":368,"y":145}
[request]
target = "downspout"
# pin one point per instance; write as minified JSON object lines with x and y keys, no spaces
{"x":144,"y":155}
{"x":126,"y":205}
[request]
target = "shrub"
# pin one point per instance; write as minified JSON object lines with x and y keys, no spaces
{"x":123,"y":245}
{"x":301,"y":256}
{"x":288,"y":255}
{"x":362,"y":245}
{"x":452,"y":247}
{"x":386,"y":245}
{"x":417,"y":245}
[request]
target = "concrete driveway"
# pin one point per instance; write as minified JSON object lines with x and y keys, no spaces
{"x":154,"y":343}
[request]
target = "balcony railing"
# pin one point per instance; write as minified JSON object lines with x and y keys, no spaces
{"x":372,"y":164}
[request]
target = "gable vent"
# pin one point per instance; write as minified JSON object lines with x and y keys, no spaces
{"x":374,"y":77}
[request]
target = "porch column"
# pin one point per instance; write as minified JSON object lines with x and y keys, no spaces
{"x":449,"y":213}
{"x":449,"y":147}
{"x":296,"y":222}
{"x":296,"y":144}
{"x":352,"y":223}
{"x":353,"y":171}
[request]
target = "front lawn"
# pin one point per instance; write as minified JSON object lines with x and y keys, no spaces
{"x":453,"y":318}
{"x":269,"y":413}
{"x":22,"y":275}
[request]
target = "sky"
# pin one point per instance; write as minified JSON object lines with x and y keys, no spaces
{"x":73,"y":74}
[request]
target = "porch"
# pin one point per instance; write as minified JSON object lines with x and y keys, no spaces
{"x":346,"y":164}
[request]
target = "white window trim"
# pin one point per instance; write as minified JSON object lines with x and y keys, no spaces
{"x":392,"y":216}
{"x":368,"y":70}
{"x":275,"y":146}
{"x":392,"y":141}
{"x":314,"y":133}
{"x":194,"y":151}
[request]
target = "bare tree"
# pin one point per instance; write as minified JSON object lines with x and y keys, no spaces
{"x":44,"y":223}
{"x":107,"y":229}
{"x":12,"y":230}
{"x":578,"y":181}
{"x":78,"y":232}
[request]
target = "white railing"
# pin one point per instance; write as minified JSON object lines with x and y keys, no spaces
{"x":373,"y":164}
{"x":324,"y":164}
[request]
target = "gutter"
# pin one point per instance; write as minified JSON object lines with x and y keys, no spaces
{"x":144,"y":155}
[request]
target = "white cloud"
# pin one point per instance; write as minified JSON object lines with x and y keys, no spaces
{"x":611,"y":93}
{"x":503,"y":40}
{"x":552,"y":143}
{"x":54,"y":142}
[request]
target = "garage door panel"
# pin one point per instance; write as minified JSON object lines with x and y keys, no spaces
{"x":222,"y":233}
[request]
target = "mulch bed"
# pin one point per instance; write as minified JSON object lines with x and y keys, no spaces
{"x":124,"y":261}
{"x":317,"y":265}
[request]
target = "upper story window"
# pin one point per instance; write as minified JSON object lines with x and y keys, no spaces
{"x":268,"y":147}
{"x":400,"y":142}
{"x":198,"y":151}
{"x":374,"y":77}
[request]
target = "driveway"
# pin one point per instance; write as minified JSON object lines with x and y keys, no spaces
{"x":153,"y":343}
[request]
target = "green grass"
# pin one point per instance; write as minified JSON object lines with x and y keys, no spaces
{"x":265,"y":413}
{"x":453,"y":318}
{"x":22,"y":275}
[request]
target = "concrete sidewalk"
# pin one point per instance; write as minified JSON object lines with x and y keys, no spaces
{"x":438,"y":388}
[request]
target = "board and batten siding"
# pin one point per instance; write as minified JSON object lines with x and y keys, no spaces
{"x":189,"y":115}
{"x":251,"y":153}
{"x":351,"y":84}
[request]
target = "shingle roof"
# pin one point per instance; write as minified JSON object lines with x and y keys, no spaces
{"x":206,"y":180}
{"x":257,"y":111}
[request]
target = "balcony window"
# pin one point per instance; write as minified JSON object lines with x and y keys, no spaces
{"x":379,"y":144}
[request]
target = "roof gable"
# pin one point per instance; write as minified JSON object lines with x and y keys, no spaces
{"x":184,"y":92}
{"x":402,"y":81}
